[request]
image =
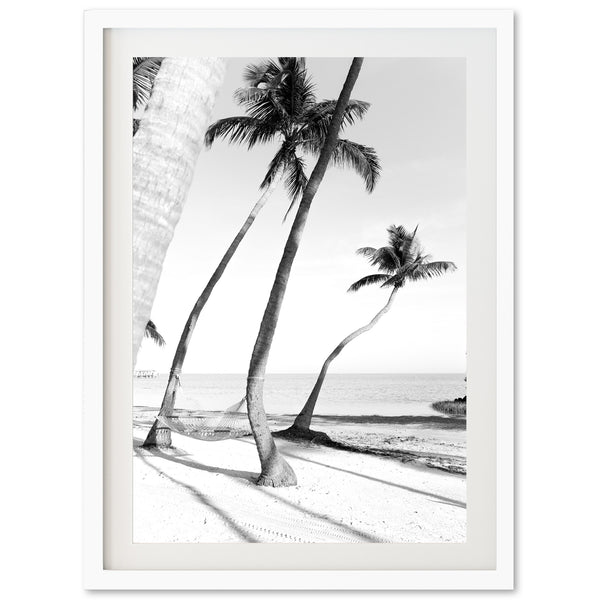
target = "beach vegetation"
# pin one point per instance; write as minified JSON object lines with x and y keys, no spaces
{"x":456,"y":407}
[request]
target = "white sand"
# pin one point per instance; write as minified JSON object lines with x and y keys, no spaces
{"x":203,"y":492}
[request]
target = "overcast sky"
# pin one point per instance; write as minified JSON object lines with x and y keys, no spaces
{"x":417,"y":125}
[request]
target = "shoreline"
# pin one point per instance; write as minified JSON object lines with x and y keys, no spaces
{"x":417,"y":443}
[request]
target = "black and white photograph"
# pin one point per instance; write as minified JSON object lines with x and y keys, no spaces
{"x":299,"y":300}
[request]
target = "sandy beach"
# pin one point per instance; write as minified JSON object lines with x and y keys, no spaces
{"x":204,"y":492}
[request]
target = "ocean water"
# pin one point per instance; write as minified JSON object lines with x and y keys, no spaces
{"x":342,"y":394}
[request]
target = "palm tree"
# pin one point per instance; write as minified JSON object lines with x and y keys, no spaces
{"x":400,"y":261}
{"x":144,"y":73}
{"x":165,"y":151}
{"x":280,"y":104}
{"x":275,"y":471}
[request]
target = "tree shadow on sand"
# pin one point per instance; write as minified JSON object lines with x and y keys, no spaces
{"x":173,"y":457}
{"x":434,"y":497}
{"x":327,"y":521}
{"x":364,"y":537}
{"x":219,"y":512}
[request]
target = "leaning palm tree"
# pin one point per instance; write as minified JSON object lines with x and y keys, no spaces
{"x":275,"y":471}
{"x":144,"y":71}
{"x":402,"y":260}
{"x":165,"y":150}
{"x":281,"y":106}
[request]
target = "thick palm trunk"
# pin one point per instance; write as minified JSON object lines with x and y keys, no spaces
{"x":165,"y":151}
{"x":275,"y":471}
{"x":304,"y":418}
{"x":158,"y":434}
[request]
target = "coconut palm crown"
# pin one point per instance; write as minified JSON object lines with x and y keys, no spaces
{"x":400,"y":261}
{"x":280,"y":104}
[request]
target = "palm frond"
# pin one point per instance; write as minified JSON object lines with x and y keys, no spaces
{"x":428,"y":270}
{"x":295,"y":180}
{"x":375,"y":278}
{"x":398,"y":235}
{"x":248,"y":130}
{"x":296,"y":89}
{"x":362,"y":159}
{"x":277,"y":163}
{"x":255,"y":74}
{"x":366,"y":251}
{"x":145,"y":70}
{"x":152,"y":333}
{"x":299,"y":61}
{"x":412,"y":249}
{"x":401,"y":240}
{"x":386,"y":259}
{"x":249,"y":95}
{"x":397,"y":280}
{"x":269,"y":109}
{"x":319,"y":117}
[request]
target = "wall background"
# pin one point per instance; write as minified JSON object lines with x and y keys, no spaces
{"x":558,"y":126}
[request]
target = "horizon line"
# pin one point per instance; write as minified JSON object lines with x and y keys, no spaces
{"x":313,"y":373}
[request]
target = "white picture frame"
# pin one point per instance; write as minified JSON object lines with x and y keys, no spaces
{"x":96,"y":575}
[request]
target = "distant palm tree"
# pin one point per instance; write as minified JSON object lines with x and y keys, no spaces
{"x":400,"y":261}
{"x":165,"y":151}
{"x":275,"y":471}
{"x":281,"y":105}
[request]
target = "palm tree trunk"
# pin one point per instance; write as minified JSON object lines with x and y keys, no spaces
{"x":158,"y":434}
{"x":165,"y":151}
{"x":275,"y":471}
{"x":304,"y":418}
